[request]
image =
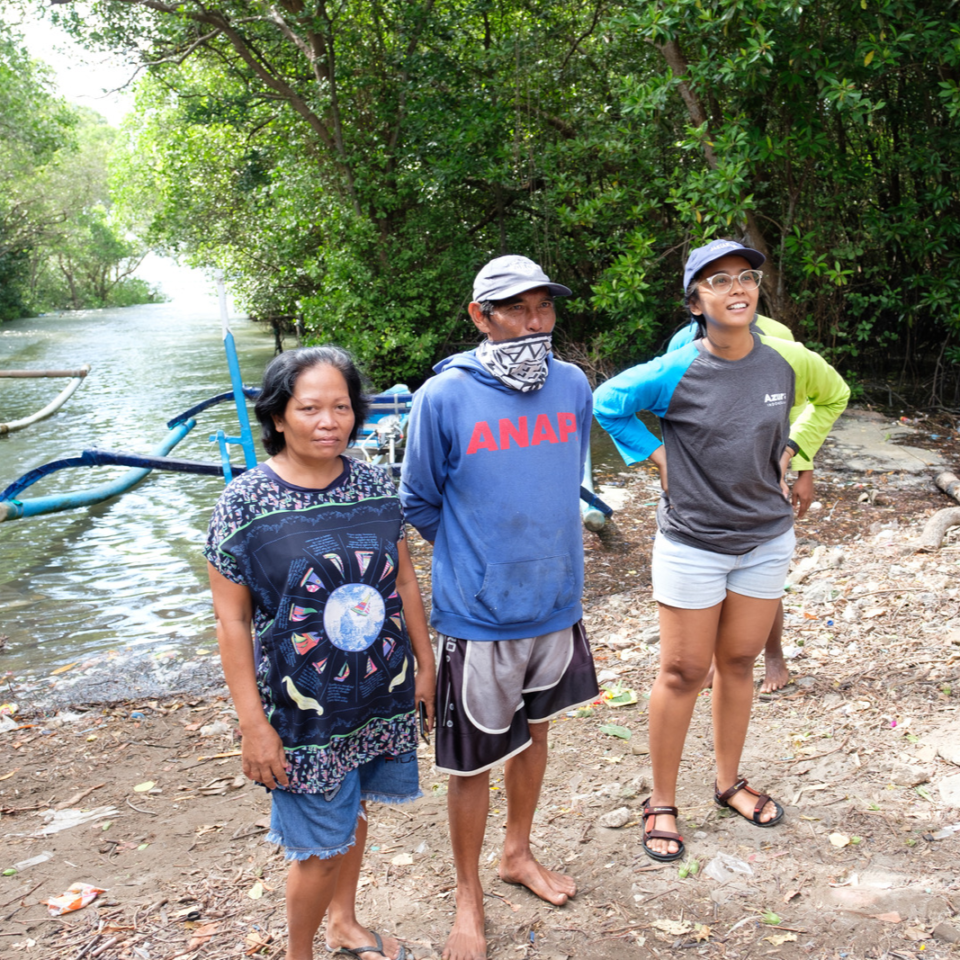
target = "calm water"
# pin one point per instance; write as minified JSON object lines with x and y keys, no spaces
{"x":127,"y":572}
{"x":126,"y":575}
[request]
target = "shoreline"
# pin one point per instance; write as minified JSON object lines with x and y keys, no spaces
{"x":860,"y":748}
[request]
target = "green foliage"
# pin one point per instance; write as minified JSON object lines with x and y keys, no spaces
{"x":34,"y":124}
{"x":827,"y":131}
{"x":59,"y":245}
{"x":353,"y":165}
{"x":14,"y":275}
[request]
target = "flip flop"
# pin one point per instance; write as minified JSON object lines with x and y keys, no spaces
{"x":358,"y":951}
{"x":655,"y":834}
{"x":722,"y":800}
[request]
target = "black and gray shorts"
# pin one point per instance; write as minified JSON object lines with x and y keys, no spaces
{"x":489,"y":691}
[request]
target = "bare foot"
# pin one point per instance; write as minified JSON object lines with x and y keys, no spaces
{"x":555,"y":888}
{"x":357,"y":936}
{"x":466,"y":940}
{"x":776,"y":675}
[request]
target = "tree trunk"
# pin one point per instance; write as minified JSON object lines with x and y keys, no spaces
{"x":771,"y":291}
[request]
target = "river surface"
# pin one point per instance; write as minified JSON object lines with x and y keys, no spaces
{"x":120,"y":589}
{"x":127,"y":573}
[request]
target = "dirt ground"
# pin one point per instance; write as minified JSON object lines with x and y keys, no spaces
{"x":862,"y":748}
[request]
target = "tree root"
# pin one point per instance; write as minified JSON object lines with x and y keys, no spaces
{"x":949,"y":483}
{"x":935,"y":529}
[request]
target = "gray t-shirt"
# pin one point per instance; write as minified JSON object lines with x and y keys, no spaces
{"x":726,"y":423}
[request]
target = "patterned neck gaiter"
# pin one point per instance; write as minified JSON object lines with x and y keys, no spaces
{"x":520,"y":363}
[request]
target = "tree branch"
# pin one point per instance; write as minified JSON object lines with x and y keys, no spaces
{"x":582,"y":37}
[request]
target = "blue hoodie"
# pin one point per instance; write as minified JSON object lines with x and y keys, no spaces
{"x":492,"y":476}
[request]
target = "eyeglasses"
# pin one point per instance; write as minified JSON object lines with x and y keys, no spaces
{"x":722,"y":282}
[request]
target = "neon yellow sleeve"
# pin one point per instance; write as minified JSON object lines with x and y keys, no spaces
{"x":821,"y":396}
{"x":773,"y":328}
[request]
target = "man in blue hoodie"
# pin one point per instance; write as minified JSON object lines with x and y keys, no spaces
{"x":491,"y":476}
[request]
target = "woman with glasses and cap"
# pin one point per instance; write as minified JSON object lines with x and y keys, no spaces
{"x":776,"y":674}
{"x":725,"y":536}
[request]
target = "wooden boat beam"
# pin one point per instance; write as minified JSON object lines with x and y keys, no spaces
{"x":55,"y":404}
{"x":31,"y":374}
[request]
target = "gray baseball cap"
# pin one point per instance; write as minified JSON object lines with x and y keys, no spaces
{"x":509,"y":276}
{"x":714,"y":250}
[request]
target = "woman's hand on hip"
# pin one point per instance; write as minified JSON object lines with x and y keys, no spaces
{"x":659,"y":459}
{"x":785,"y":459}
{"x":802,"y":493}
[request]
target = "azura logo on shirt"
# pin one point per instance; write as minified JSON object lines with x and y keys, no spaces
{"x":483,"y":437}
{"x":774,"y":399}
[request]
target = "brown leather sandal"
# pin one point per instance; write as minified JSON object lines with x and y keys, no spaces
{"x":722,"y":800}
{"x":654,"y":812}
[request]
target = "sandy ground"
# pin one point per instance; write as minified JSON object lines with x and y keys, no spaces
{"x":862,"y":748}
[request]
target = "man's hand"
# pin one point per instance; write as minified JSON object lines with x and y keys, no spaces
{"x":801,"y":496}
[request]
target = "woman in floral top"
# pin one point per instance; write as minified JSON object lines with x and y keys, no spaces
{"x":320,"y":620}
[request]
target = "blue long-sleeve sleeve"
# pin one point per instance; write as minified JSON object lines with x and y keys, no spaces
{"x":648,"y":386}
{"x":424,"y":472}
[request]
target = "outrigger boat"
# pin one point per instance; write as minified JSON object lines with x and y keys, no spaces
{"x":378,"y":442}
{"x":76,"y":378}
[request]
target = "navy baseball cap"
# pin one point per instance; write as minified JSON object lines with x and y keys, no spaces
{"x":509,"y":276}
{"x":714,"y":250}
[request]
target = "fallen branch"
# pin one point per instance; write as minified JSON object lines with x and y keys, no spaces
{"x":77,"y":797}
{"x":20,"y":896}
{"x":949,"y":483}
{"x":150,"y":813}
{"x":935,"y":529}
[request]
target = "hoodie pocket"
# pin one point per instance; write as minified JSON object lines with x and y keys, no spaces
{"x":527,"y":591}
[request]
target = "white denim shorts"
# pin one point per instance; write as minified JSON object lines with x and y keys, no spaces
{"x":695,"y":579}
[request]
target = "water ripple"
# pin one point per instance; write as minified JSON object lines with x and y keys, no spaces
{"x":128,"y":573}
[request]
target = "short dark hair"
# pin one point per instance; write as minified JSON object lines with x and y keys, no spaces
{"x":280,"y":378}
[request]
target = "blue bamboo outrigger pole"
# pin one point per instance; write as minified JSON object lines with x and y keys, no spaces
{"x":593,"y":511}
{"x":12,"y":508}
{"x":245,"y":440}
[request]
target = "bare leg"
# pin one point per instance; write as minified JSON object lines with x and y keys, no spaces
{"x":343,"y":928}
{"x":468,"y":801}
{"x":310,"y":888}
{"x":523,"y":776}
{"x":744,"y":623}
{"x":687,"y":639}
{"x":776,"y":675}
